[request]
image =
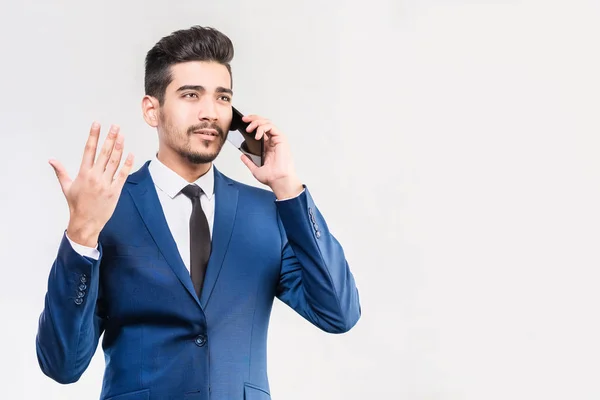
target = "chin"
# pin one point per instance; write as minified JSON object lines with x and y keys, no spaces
{"x":201,"y":158}
{"x":203,"y":153}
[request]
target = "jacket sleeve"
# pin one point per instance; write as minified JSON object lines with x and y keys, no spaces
{"x":315,"y":278}
{"x":70,"y":325}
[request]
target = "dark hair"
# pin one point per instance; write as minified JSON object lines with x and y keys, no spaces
{"x":194,"y":44}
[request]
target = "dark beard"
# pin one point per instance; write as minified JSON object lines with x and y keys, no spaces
{"x":197,"y":158}
{"x":200,"y":158}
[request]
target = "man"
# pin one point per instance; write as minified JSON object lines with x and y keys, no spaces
{"x":178,"y":265}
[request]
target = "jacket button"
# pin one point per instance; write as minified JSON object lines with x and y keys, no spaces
{"x":200,"y":341}
{"x":78,"y":301}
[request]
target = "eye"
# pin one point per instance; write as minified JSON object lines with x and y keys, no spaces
{"x":190,"y":95}
{"x":225,"y":98}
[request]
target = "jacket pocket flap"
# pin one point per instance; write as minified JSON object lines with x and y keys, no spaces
{"x":137,"y":395}
{"x":253,"y":392}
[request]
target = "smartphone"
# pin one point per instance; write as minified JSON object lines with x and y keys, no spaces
{"x":244,"y":141}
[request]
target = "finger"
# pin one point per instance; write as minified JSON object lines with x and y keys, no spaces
{"x":261,"y":130}
{"x":267,"y":140}
{"x":274,"y":137}
{"x":115,"y":159}
{"x":119,"y":181}
{"x":89,"y":153}
{"x":61,"y":174}
{"x":271,"y":141}
{"x":271,"y":132}
{"x":107,"y":148}
{"x":250,"y":117}
{"x":256,"y":123}
{"x":251,"y":166}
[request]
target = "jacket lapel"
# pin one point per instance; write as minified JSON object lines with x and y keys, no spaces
{"x":226,"y":199}
{"x":144,"y":196}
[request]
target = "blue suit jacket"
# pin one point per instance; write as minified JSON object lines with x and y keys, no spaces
{"x":160,"y":340}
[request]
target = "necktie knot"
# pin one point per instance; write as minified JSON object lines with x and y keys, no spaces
{"x":192,"y":191}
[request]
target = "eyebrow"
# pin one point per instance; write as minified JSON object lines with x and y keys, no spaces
{"x":200,"y":88}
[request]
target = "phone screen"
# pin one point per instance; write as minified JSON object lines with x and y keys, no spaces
{"x":244,"y":141}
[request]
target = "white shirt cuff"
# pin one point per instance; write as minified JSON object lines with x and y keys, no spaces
{"x":289,"y":198}
{"x":84,"y":250}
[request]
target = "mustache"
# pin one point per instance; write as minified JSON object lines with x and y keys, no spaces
{"x":206,"y":125}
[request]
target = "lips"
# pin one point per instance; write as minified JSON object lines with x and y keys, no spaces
{"x":206,"y":132}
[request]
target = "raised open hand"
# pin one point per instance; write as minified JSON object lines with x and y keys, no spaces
{"x":93,"y":195}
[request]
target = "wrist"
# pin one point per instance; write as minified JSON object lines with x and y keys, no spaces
{"x":82,"y":233}
{"x":285,"y":188}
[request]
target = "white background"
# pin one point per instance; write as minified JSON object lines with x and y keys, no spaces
{"x":451,"y":145}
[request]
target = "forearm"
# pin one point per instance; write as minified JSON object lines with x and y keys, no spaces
{"x":69,"y":328}
{"x":316,"y":279}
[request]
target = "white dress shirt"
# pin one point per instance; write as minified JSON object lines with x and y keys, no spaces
{"x":176,"y":206}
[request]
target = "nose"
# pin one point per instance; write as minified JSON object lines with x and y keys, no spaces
{"x":208,"y":109}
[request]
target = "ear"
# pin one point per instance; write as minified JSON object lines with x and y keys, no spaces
{"x":150,"y":109}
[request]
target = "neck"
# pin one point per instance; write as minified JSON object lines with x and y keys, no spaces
{"x":182,"y":167}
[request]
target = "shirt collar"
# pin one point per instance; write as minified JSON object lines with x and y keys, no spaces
{"x":171,"y":183}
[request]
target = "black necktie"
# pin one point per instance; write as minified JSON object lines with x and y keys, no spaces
{"x":200,"y":242}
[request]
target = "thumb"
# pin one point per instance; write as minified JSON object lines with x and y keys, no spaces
{"x":61,"y":174}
